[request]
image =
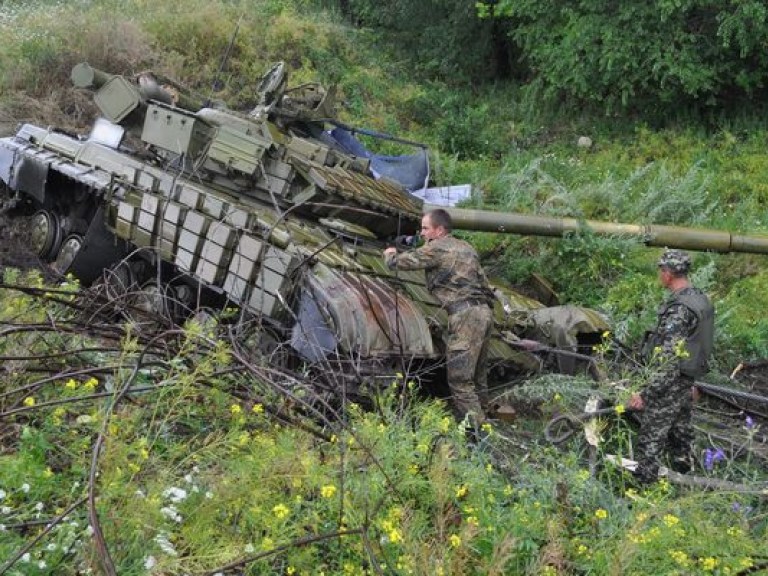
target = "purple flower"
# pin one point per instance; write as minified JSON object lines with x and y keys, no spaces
{"x":736,"y":507}
{"x":750,"y":423}
{"x":711,"y":457}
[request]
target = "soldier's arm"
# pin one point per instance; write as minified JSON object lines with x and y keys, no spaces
{"x":419,"y":259}
{"x":674,"y":328}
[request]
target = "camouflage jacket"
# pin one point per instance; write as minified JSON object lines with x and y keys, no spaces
{"x":452,"y":269}
{"x":676,"y":323}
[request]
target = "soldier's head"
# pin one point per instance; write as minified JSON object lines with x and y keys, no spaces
{"x":673,"y":266}
{"x":436,"y":224}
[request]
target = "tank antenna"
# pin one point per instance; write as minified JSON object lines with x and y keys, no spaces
{"x":224,"y":60}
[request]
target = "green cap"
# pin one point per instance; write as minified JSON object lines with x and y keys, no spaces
{"x":678,"y":261}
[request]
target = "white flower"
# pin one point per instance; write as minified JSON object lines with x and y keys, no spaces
{"x":25,"y":487}
{"x":5,"y":509}
{"x":39,"y":506}
{"x":209,"y":494}
{"x":140,"y":493}
{"x":175,"y":494}
{"x":2,"y":527}
{"x":51,"y":547}
{"x":150,"y":562}
{"x":171,"y":513}
{"x":249,"y":549}
{"x":165,"y":545}
{"x":188,"y":478}
{"x":26,"y":557}
{"x":2,"y":494}
{"x":42,"y":564}
{"x":89,"y":530}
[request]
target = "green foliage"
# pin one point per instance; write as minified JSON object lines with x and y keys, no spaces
{"x":192,"y":478}
{"x":441,"y":39}
{"x":636,"y":55}
{"x":741,"y":333}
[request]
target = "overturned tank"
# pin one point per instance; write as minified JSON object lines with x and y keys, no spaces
{"x":175,"y":203}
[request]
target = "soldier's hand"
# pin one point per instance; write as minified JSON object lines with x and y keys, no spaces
{"x":636,"y":402}
{"x":695,"y":394}
{"x":389,"y":251}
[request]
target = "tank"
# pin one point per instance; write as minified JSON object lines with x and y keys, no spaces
{"x":175,"y":203}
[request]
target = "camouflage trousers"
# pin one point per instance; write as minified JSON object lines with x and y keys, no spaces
{"x":666,"y":427}
{"x":466,"y":343}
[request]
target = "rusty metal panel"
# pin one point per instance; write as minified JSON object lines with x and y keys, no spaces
{"x":370,"y":317}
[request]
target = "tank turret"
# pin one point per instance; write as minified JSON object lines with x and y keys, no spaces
{"x":280,"y":213}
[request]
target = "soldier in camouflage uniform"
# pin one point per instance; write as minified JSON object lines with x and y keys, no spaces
{"x":678,"y":350}
{"x":455,"y":277}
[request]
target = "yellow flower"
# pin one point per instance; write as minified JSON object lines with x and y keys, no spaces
{"x":487,"y":428}
{"x":257,"y":409}
{"x":680,"y":557}
{"x":508,"y":490}
{"x":58,"y":415}
{"x":48,"y":473}
{"x":395,"y":536}
{"x":671,"y":520}
{"x":328,"y":491}
{"x":473,"y":520}
{"x":746,"y":563}
{"x":144,"y":453}
{"x":29,"y":401}
{"x":601,"y":514}
{"x":557,"y":397}
{"x":91,"y":383}
{"x":619,"y":409}
{"x":71,"y":384}
{"x":455,"y":540}
{"x":680,"y":349}
{"x":709,"y":563}
{"x":582,"y":549}
{"x":461,"y":491}
{"x":280,"y":511}
{"x":445,"y":424}
{"x":290,"y":570}
{"x":235,"y":409}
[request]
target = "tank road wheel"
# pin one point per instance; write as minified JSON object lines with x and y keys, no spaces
{"x":67,"y":253}
{"x":45,"y":234}
{"x":157,"y":300}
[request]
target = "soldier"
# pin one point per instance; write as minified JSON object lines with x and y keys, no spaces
{"x":678,"y":350}
{"x":455,"y":277}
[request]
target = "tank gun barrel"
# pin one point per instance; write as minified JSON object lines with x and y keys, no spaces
{"x":651,"y":234}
